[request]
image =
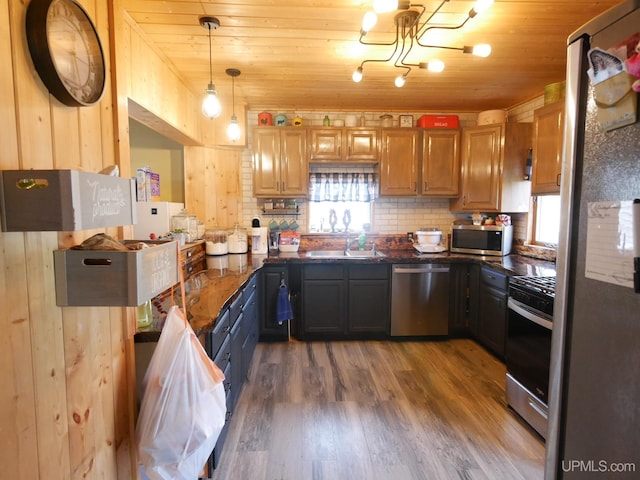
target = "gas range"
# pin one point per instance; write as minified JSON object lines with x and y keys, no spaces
{"x":537,"y":293}
{"x":543,"y":285}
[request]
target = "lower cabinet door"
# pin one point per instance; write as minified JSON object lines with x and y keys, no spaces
{"x":324,"y":307}
{"x":369,"y":307}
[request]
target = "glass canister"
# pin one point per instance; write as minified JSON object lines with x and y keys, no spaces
{"x":184,"y":222}
{"x":237,"y":240}
{"x":216,"y":242}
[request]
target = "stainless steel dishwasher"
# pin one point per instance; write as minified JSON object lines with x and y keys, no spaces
{"x":420,"y":300}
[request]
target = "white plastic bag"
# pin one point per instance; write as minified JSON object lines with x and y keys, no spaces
{"x":183,"y":408}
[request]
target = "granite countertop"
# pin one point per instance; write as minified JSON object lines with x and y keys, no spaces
{"x":223,"y":284}
{"x":513,"y":264}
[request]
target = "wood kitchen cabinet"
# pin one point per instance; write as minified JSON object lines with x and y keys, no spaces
{"x":492,"y":310}
{"x":324,"y":300}
{"x":271,"y":277}
{"x":548,"y":127}
{"x":399,"y":157}
{"x":343,"y":145}
{"x":368,"y":300}
{"x":440,"y":172}
{"x":345,"y":301}
{"x":420,"y":162}
{"x":493,"y":160}
{"x":462,"y":299}
{"x":280,"y":167}
{"x":231,"y":344}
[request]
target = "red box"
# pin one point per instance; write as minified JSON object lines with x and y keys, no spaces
{"x":438,"y":121}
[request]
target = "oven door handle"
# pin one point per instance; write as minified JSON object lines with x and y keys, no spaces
{"x":518,"y":307}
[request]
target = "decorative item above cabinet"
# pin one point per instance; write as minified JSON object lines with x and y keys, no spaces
{"x":64,"y":200}
{"x":343,"y":145}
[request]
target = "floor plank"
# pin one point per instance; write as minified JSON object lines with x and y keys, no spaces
{"x":369,"y":410}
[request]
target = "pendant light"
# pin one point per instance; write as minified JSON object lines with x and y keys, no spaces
{"x":233,"y":129}
{"x":211,"y":107}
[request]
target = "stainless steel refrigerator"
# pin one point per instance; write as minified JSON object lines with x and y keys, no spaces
{"x":594,"y":423}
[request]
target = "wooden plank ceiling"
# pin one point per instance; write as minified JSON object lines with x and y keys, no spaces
{"x":300,"y":54}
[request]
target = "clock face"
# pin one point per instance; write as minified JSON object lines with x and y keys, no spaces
{"x":66,"y":51}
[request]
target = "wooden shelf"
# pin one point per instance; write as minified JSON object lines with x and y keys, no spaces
{"x":281,"y":211}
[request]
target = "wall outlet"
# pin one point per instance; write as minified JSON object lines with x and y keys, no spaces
{"x":409,"y":236}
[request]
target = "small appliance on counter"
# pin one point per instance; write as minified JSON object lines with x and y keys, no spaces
{"x":155,"y":217}
{"x":259,"y":237}
{"x":429,"y":241}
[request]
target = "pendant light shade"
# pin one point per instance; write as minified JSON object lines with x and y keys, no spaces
{"x":211,"y":107}
{"x":233,"y":129}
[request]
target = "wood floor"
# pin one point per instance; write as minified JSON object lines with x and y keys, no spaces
{"x":377,"y":411}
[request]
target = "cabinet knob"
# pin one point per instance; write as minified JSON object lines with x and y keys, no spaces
{"x":558,"y":179}
{"x":426,"y":186}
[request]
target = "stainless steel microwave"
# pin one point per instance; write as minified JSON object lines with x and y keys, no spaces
{"x":482,"y":239}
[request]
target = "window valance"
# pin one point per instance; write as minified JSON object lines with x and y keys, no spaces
{"x":343,"y":187}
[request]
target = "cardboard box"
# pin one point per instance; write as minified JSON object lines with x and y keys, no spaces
{"x":438,"y":121}
{"x":64,"y":200}
{"x":155,"y":187}
{"x":110,"y":278}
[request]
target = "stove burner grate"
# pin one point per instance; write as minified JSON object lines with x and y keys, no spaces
{"x":546,"y":285}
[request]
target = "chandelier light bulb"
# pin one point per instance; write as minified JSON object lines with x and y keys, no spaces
{"x":233,"y":129}
{"x":211,"y":107}
{"x":482,"y":5}
{"x":385,"y":6}
{"x":369,"y":21}
{"x":400,"y":80}
{"x":481,"y":50}
{"x":357,"y":75}
{"x":435,"y":66}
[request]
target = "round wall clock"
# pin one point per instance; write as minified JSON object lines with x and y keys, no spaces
{"x":66,"y":51}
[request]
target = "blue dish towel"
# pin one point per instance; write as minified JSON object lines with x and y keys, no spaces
{"x":284,"y":311}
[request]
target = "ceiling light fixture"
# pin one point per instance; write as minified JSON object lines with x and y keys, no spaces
{"x":233,"y":129}
{"x":211,"y":107}
{"x":410,"y":29}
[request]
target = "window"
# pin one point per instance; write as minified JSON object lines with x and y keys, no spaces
{"x":320,"y":216}
{"x":341,"y":201}
{"x":546,"y":220}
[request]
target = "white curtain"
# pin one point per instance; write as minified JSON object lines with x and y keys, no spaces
{"x":343,"y":187}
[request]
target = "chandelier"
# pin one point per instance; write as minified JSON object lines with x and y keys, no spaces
{"x":412,"y":22}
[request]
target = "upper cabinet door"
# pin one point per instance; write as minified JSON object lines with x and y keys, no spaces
{"x":294,"y":167}
{"x":399,"y":162}
{"x":440,"y":163}
{"x":326,"y":144}
{"x":361,"y":145}
{"x":280,"y":166}
{"x":481,"y":163}
{"x":266,"y":161}
{"x":548,"y":126}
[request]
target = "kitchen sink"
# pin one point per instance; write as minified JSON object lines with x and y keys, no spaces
{"x":326,"y":253}
{"x":363,"y":254}
{"x":344,"y":253}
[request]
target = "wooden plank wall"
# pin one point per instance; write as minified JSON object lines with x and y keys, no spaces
{"x":61,"y":415}
{"x":67,"y":402}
